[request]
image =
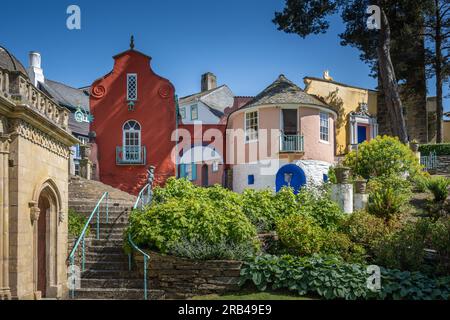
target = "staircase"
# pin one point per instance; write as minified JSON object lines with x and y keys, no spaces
{"x":106,"y":275}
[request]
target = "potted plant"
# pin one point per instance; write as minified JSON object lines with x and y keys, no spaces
{"x":342,"y":174}
{"x":360,"y":185}
{"x":414,"y":145}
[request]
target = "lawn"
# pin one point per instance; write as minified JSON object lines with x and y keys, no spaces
{"x":252,"y":296}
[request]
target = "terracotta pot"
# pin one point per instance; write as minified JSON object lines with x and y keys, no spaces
{"x":414,"y":147}
{"x":342,"y":174}
{"x":360,"y":186}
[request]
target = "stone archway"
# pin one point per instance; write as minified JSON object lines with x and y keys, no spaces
{"x":45,"y":246}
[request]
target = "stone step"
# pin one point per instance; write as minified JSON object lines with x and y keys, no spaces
{"x":106,"y":242}
{"x":109,"y":274}
{"x":106,"y":249}
{"x":86,"y":200}
{"x":118,"y":294}
{"x":112,"y":283}
{"x":93,"y":257}
{"x":107,"y":265}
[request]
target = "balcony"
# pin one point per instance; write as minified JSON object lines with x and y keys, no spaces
{"x":291,"y":143}
{"x":131,"y":155}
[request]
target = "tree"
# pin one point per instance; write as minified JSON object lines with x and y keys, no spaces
{"x":437,"y":29}
{"x":305,"y":17}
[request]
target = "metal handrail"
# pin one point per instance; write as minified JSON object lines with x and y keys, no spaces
{"x":140,"y":202}
{"x":81,"y":238}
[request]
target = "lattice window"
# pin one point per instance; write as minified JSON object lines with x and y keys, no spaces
{"x":132,"y":84}
{"x":251,"y":126}
{"x":324,"y":127}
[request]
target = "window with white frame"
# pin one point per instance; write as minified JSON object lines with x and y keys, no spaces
{"x":132,"y":141}
{"x":215,"y":166}
{"x":183,"y":113}
{"x":132,"y":87}
{"x":324,"y":127}
{"x":251,"y":126}
{"x":83,"y":141}
{"x":194,"y":112}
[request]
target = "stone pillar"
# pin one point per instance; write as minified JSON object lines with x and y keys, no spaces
{"x":5,"y":291}
{"x":360,"y":201}
{"x":85,"y":163}
{"x":343,"y":195}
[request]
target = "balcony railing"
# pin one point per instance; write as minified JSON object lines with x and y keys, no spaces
{"x":291,"y":143}
{"x":131,"y":155}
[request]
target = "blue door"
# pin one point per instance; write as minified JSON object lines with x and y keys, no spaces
{"x":362,"y":134}
{"x":292,"y":176}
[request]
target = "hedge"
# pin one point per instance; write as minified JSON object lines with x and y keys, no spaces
{"x":442,"y":149}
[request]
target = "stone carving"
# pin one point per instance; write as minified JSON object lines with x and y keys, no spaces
{"x":164,"y":91}
{"x":23,"y":129}
{"x":61,"y":217}
{"x":34,"y":211}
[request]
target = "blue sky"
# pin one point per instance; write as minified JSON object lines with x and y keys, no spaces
{"x":234,"y":39}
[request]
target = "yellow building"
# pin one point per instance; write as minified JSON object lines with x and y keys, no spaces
{"x":356,"y":109}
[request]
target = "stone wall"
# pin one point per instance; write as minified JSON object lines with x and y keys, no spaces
{"x":183,"y":278}
{"x":443,"y":165}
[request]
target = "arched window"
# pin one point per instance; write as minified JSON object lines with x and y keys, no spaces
{"x":132,"y":141}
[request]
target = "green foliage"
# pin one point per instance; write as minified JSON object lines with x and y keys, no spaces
{"x":302,"y":236}
{"x":405,"y":249}
{"x":439,"y":186}
{"x":76,"y":223}
{"x":421,"y":183}
{"x":331,"y":278}
{"x":441,"y":149}
{"x":383,"y":156}
{"x":332,"y":175}
{"x":261,"y":208}
{"x":388,"y":196}
{"x":184,"y":212}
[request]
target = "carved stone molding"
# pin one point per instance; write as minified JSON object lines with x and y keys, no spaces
{"x":34,"y":211}
{"x":4,"y":143}
{"x":25,"y":130}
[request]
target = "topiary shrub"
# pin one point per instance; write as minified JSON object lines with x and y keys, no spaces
{"x":441,"y":149}
{"x":382,"y":156}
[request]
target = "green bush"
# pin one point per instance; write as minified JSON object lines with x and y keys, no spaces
{"x":76,"y":223}
{"x":300,"y":234}
{"x":421,"y":183}
{"x":439,"y":188}
{"x":260,"y":207}
{"x":382,"y":156}
{"x":184,"y":212}
{"x":388,"y":196}
{"x":442,"y":149}
{"x":331,"y":278}
{"x":340,"y":244}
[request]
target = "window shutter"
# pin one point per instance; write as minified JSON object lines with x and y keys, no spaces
{"x":182,"y":170}
{"x":194,"y":171}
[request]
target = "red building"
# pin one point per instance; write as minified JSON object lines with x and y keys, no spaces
{"x":134,"y":117}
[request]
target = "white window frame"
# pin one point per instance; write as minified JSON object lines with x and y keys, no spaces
{"x":192,"y":109}
{"x":215,"y":166}
{"x":322,"y":133}
{"x":129,"y":76}
{"x":183,"y":112}
{"x":124,"y":138}
{"x":254,"y":138}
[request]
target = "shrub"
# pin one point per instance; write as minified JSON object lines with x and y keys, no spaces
{"x":300,"y":234}
{"x":382,"y":156}
{"x":198,"y":250}
{"x":76,"y":223}
{"x":332,"y":278}
{"x":421,"y":183}
{"x":442,"y":149}
{"x":261,"y":209}
{"x":207,"y":215}
{"x":336,"y":243}
{"x":388,"y":195}
{"x":439,"y":187}
{"x":365,"y":229}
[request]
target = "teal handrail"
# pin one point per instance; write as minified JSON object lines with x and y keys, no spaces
{"x":81,"y":238}
{"x":139,"y":204}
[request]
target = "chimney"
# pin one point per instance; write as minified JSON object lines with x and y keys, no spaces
{"x":35,"y":71}
{"x":209,"y":81}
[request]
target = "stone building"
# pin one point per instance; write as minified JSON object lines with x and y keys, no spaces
{"x":35,"y":147}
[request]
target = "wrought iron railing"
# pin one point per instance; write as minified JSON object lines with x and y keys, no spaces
{"x":429,"y":162}
{"x":82,"y":238}
{"x":144,"y":199}
{"x":291,"y":143}
{"x":131,"y":155}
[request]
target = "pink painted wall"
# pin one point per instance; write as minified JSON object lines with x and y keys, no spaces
{"x":269,"y":118}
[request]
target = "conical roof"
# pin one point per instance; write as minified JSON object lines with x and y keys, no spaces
{"x":10,"y":62}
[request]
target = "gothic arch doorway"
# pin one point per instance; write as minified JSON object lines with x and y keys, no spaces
{"x":44,"y":209}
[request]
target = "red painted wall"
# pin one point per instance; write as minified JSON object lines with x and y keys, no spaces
{"x":154,"y":110}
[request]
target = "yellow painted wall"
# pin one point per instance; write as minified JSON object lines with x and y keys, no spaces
{"x":446,"y":126}
{"x":346,"y":99}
